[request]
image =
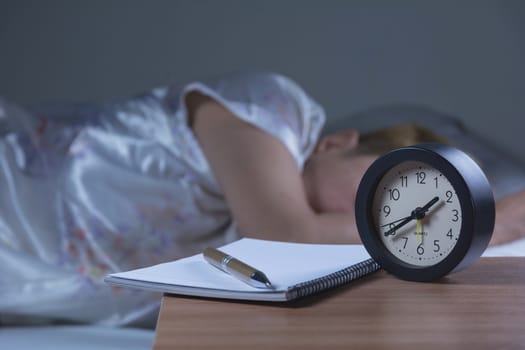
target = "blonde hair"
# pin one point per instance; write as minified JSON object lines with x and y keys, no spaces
{"x":401,"y":135}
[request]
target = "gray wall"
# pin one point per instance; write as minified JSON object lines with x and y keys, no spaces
{"x":465,"y":58}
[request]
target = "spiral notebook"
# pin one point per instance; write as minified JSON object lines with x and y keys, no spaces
{"x":294,"y":269}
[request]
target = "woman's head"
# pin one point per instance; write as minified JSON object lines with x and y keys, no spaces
{"x":332,"y":173}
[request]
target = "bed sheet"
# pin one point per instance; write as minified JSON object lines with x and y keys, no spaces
{"x":515,"y":248}
{"x":77,"y":337}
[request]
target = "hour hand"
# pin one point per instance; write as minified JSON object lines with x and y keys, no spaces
{"x":417,"y":214}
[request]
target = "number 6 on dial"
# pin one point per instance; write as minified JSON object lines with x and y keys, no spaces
{"x":424,"y":211}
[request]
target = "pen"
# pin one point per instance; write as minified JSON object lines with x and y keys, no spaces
{"x":236,"y":268}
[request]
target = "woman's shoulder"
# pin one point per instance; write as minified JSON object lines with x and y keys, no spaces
{"x":270,"y":101}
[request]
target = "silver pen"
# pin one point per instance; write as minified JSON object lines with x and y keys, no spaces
{"x":236,"y":268}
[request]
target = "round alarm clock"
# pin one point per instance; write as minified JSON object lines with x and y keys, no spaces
{"x":424,"y":211}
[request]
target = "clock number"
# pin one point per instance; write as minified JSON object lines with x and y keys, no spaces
{"x":449,"y":195}
{"x":406,"y":241}
{"x":436,"y":180}
{"x":394,"y":194}
{"x":421,"y":176}
{"x":456,"y":215}
{"x":436,"y":246}
{"x":391,"y":226}
{"x":386,"y":210}
{"x":449,"y":233}
{"x":404,"y":181}
{"x":420,"y":250}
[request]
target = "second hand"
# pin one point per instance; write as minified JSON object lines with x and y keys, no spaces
{"x":419,"y":231}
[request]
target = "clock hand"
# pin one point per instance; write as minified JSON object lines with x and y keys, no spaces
{"x":402,"y":222}
{"x":417,"y":214}
{"x":405,"y":220}
{"x":395,"y":221}
{"x":419,"y":231}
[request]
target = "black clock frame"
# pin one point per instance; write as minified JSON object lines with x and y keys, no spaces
{"x":476,"y":201}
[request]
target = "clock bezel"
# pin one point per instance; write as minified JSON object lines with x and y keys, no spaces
{"x":476,"y":203}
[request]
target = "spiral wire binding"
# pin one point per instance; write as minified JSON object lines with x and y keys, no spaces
{"x":332,"y":280}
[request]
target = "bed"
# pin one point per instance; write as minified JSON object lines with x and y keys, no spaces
{"x":505,"y":174}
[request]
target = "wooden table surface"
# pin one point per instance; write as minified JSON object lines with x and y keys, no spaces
{"x":482,"y":307}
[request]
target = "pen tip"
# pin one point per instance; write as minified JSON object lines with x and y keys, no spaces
{"x":268,"y":285}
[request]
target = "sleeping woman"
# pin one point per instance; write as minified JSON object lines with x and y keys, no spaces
{"x":164,"y":175}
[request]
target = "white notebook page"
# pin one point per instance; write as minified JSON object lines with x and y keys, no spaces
{"x":285,"y":264}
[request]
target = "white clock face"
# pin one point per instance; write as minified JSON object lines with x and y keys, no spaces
{"x":417,"y":213}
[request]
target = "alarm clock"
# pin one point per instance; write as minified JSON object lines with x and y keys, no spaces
{"x":424,"y":211}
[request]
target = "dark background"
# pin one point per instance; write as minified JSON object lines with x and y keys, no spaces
{"x":465,"y":58}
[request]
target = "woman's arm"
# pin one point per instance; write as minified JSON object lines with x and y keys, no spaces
{"x":260,"y":179}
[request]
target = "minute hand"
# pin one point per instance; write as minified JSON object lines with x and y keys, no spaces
{"x":418,"y":213}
